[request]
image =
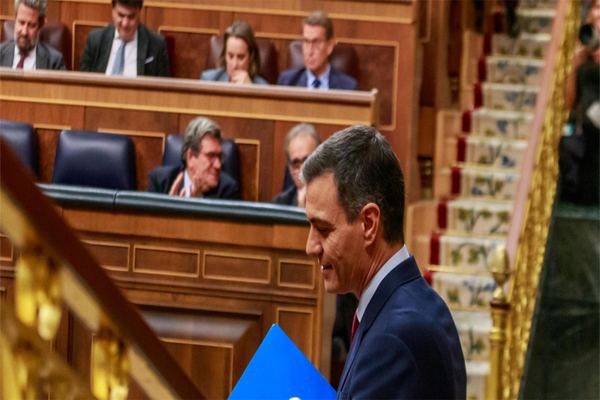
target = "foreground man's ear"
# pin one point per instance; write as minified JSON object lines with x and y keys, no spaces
{"x":370,"y":218}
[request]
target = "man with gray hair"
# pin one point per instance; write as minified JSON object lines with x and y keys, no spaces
{"x":300,"y":142}
{"x":199,"y":174}
{"x":25,"y":50}
{"x":404,"y":342}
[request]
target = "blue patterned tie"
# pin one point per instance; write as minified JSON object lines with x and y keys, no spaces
{"x":119,"y":64}
{"x":316,"y":83}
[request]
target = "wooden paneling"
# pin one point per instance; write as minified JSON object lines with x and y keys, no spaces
{"x":80,"y":30}
{"x":190,"y":52}
{"x":170,"y":261}
{"x":298,"y":324}
{"x":296,"y":274}
{"x":47,"y":141}
{"x":110,"y":255}
{"x":7,"y":251}
{"x":237,"y":267}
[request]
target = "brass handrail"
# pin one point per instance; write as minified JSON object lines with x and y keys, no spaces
{"x":55,"y":269}
{"x":528,"y":231}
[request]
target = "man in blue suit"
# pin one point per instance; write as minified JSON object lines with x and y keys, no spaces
{"x":317,"y":45}
{"x":405,"y":344}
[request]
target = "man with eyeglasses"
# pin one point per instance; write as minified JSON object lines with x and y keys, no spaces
{"x":300,"y":142}
{"x":317,"y":45}
{"x":200,"y":173}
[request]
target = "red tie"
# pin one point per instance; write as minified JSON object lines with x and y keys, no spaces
{"x":21,"y":60}
{"x":354,"y":327}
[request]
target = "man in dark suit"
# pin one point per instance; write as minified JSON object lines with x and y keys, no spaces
{"x":317,"y":45}
{"x":125,"y":47}
{"x":405,"y":344}
{"x":200,"y":175}
{"x":26,"y":51}
{"x":300,"y":142}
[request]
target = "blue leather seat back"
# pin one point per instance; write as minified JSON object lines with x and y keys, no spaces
{"x":22,"y":140}
{"x":231,"y":155}
{"x":95,"y":159}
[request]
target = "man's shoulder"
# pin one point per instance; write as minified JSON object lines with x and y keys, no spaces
{"x":54,"y":54}
{"x":153,"y":36}
{"x":96,"y":34}
{"x":165,"y":172}
{"x":290,"y":77}
{"x":10,"y":43}
{"x":339,"y":80}
{"x":287,"y":197}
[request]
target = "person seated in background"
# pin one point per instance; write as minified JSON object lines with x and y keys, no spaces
{"x":239,"y":61}
{"x":26,"y":51}
{"x":200,"y":175}
{"x":317,"y":45}
{"x":300,"y":142}
{"x":125,"y":47}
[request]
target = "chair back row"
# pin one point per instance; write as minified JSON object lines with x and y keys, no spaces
{"x":103,"y":160}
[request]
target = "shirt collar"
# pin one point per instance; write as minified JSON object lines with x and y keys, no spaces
{"x":187,"y":184}
{"x":32,"y":51}
{"x":367,"y":295}
{"x":310,"y":78}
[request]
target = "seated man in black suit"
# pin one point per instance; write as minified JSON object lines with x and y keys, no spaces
{"x":300,"y":142}
{"x":26,"y":51}
{"x":125,"y":47}
{"x":200,"y":175}
{"x":317,"y":45}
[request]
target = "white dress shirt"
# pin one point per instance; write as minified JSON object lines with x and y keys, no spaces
{"x":367,"y":295}
{"x":187,"y":184}
{"x":310,"y":79}
{"x":130,"y":68}
{"x":28,"y":63}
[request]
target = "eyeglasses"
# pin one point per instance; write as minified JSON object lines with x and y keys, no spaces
{"x":212,"y":156}
{"x":315,"y":42}
{"x":297,"y":163}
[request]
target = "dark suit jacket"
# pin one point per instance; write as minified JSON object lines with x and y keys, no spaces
{"x":406,"y":346}
{"x":297,"y":77}
{"x":152,"y":58}
{"x":46,"y":57}
{"x":288,"y":197}
{"x":161,"y":179}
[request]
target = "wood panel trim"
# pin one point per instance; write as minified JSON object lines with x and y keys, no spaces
{"x":166,"y":249}
{"x":285,"y":36}
{"x":207,"y":344}
{"x":81,"y":22}
{"x":52,"y":127}
{"x":298,"y":310}
{"x":267,"y":11}
{"x":12,"y":249}
{"x":236,"y":256}
{"x":160,"y":135}
{"x":253,"y":142}
{"x":111,"y":244}
{"x":298,"y":262}
{"x":429,"y":20}
{"x":169,"y":28}
{"x":139,"y":107}
{"x":396,"y":46}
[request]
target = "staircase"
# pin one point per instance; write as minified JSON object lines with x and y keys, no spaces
{"x":479,"y":154}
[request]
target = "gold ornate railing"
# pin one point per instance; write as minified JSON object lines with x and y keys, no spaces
{"x":54,"y":271}
{"x":526,"y":242}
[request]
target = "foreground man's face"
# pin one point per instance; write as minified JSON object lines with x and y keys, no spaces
{"x":336,"y":243}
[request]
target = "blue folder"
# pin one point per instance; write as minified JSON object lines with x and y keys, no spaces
{"x":279,"y":371}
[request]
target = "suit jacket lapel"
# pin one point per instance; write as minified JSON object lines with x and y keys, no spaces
{"x":105,"y":47}
{"x":302,"y":78}
{"x":42,"y":58}
{"x":333,"y":80}
{"x":8,"y":54}
{"x":405,"y":272}
{"x":142,"y":50}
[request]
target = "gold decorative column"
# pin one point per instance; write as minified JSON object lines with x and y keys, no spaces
{"x":500,"y":270}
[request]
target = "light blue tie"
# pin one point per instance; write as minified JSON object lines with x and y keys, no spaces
{"x":119,"y":64}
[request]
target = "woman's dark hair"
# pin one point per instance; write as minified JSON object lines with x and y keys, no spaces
{"x":241,"y":30}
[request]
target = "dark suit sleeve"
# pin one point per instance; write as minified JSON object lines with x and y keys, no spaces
{"x":384,"y":370}
{"x":153,"y":184}
{"x":230,"y":191}
{"x":163,"y":66}
{"x":86,"y":62}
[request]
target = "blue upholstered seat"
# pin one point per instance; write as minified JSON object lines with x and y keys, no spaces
{"x":22,"y":140}
{"x":231,"y":155}
{"x":94,"y":159}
